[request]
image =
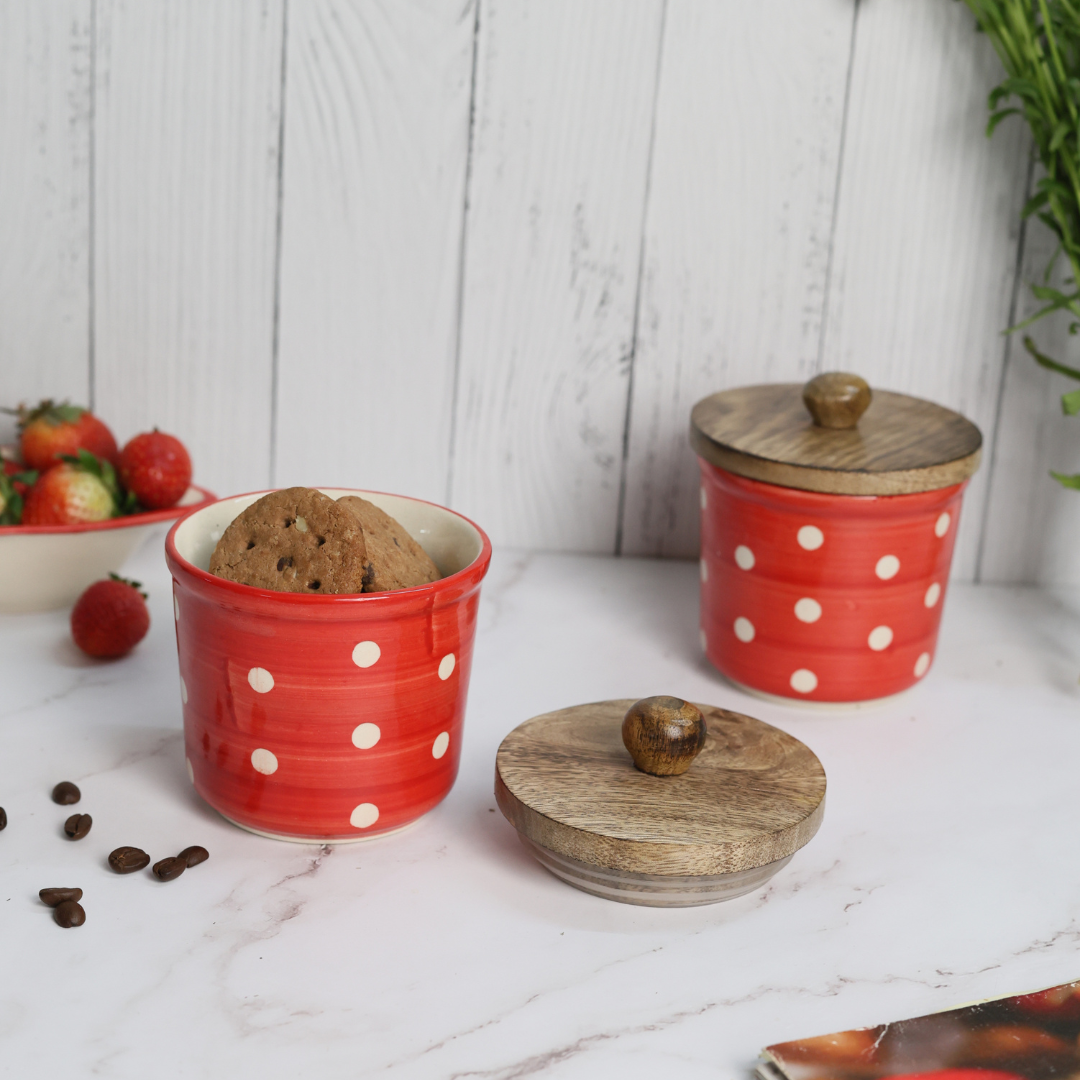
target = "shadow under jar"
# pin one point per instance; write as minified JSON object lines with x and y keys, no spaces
{"x":325,"y":718}
{"x":828,"y":520}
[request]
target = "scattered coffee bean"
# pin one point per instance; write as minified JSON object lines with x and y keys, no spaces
{"x":192,"y":856}
{"x":77,"y":826}
{"x":169,"y":868}
{"x":54,"y":897}
{"x":66,"y":794}
{"x":3,"y":818}
{"x":126,"y":860}
{"x":69,"y":913}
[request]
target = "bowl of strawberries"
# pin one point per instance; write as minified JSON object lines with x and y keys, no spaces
{"x":74,"y":505}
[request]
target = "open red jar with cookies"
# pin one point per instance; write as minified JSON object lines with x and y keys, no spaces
{"x":320,"y":716}
{"x":828,"y":519}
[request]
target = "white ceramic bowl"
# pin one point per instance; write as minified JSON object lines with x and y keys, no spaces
{"x":44,"y":567}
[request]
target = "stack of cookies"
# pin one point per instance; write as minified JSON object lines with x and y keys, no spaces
{"x":300,"y":540}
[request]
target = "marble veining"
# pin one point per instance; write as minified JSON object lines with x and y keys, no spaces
{"x":942,"y":872}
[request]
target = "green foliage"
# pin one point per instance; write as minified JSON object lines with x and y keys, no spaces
{"x":1038,"y":42}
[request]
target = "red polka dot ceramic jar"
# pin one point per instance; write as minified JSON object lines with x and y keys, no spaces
{"x":828,"y":521}
{"x":325,"y":718}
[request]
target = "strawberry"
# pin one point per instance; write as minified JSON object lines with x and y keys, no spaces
{"x":110,"y":618}
{"x":77,"y":490}
{"x":50,"y":431}
{"x":15,"y":481}
{"x":156,"y":469}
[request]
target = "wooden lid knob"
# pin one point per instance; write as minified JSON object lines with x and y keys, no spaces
{"x":663,"y":734}
{"x":836,"y":399}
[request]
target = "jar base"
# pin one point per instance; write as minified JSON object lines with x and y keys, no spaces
{"x":320,"y":840}
{"x":816,"y":705}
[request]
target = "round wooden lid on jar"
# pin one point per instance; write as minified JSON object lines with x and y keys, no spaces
{"x":835,"y":435}
{"x":749,"y":800}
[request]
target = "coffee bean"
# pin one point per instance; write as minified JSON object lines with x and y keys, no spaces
{"x":69,"y":913}
{"x":126,"y":860}
{"x":3,"y":818}
{"x":66,"y":794}
{"x":170,"y":868}
{"x":192,"y":856}
{"x":54,"y":897}
{"x":77,"y":826}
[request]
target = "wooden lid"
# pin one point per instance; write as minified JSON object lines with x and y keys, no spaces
{"x":836,"y":436}
{"x":753,"y":795}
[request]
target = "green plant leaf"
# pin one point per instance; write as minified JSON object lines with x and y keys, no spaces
{"x":997,"y":117}
{"x":1070,"y":403}
{"x":1046,"y":362}
{"x":1067,"y":481}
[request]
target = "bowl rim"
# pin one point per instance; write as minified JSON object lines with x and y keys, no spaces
{"x":127,"y":521}
{"x":477,"y":567}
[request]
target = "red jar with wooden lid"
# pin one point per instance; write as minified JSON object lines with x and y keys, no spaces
{"x":828,"y":519}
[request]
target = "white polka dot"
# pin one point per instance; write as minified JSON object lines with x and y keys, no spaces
{"x":887,"y":567}
{"x":880,"y":638}
{"x":365,"y":736}
{"x":704,"y":499}
{"x":446,"y":666}
{"x":366,"y":653}
{"x":922,"y":664}
{"x":442,"y":741}
{"x":263,"y":761}
{"x":807,"y":610}
{"x":704,"y":641}
{"x":933,"y":594}
{"x":744,"y":557}
{"x":364,"y":816}
{"x":744,"y":629}
{"x":804,"y":681}
{"x":183,"y":690}
{"x":262,"y":682}
{"x":704,"y":570}
{"x":941,"y":526}
{"x":176,"y":607}
{"x":190,"y":770}
{"x":811,"y":537}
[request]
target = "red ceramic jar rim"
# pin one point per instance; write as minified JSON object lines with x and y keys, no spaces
{"x":146,"y":517}
{"x":467,"y":576}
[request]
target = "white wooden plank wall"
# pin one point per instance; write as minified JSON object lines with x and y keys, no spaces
{"x":376,"y":148}
{"x":45,"y":74}
{"x":491,"y":252}
{"x":560,"y":162}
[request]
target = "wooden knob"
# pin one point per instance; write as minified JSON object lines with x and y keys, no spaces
{"x":836,"y":399}
{"x":663,"y":734}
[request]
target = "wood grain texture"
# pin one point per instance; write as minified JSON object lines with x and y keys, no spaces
{"x":376,"y":141}
{"x":564,"y":106}
{"x":186,"y":186}
{"x":902,"y":444}
{"x":928,"y":218}
{"x":748,"y":130}
{"x":1032,"y":522}
{"x":754,"y":794}
{"x":45,"y":209}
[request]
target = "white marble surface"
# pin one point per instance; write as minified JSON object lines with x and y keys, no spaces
{"x":945,"y":869}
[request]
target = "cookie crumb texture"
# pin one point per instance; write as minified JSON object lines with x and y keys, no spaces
{"x":394,"y":559}
{"x":294,"y":540}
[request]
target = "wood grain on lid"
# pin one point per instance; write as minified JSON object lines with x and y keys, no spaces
{"x":901,"y":445}
{"x":752,"y":796}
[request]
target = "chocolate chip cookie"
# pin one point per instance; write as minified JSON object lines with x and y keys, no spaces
{"x":394,"y":559}
{"x":294,"y":540}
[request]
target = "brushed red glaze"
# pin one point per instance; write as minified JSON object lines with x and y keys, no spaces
{"x":839,"y":575}
{"x":320,"y":696}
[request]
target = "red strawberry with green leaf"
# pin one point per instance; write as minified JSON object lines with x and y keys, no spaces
{"x":156,"y":469}
{"x":51,"y":431}
{"x":81,"y":488}
{"x":110,"y":618}
{"x":14,"y":483}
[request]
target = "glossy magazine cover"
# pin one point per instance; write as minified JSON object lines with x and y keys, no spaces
{"x":1027,"y":1037}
